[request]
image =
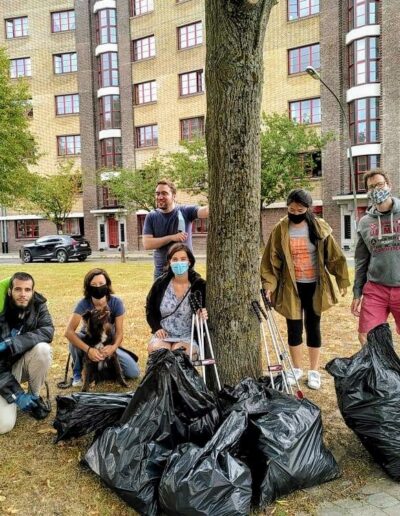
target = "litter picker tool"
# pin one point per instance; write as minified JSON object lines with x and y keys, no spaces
{"x":281,"y":353}
{"x":202,"y":333}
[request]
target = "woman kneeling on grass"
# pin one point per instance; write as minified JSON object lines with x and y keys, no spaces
{"x":168,"y":309}
{"x":294,"y":274}
{"x":98,"y":293}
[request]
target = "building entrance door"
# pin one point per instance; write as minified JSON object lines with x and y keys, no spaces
{"x":113,"y":239}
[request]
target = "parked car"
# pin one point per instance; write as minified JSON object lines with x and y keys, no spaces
{"x":56,"y":247}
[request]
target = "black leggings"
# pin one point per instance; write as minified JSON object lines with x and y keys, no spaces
{"x":311,"y":319}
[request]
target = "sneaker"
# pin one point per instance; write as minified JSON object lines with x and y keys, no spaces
{"x":291,"y":377}
{"x":77,"y":381}
{"x":314,"y":380}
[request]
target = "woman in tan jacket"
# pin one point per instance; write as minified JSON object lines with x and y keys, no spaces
{"x":294,"y":274}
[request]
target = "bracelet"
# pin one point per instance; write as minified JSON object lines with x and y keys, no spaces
{"x":87,"y":351}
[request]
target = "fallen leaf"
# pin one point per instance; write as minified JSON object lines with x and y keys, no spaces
{"x":47,"y":430}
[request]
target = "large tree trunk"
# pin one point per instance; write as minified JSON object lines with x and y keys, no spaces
{"x":234,"y":76}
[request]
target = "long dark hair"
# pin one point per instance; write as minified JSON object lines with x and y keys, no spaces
{"x":304,"y":198}
{"x":88,"y":278}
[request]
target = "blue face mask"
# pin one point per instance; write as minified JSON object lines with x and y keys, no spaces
{"x":179,"y":268}
{"x":378,"y":195}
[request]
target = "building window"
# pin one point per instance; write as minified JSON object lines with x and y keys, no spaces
{"x":190,"y":35}
{"x":311,"y":163}
{"x":146,"y":92}
{"x":108,"y":200}
{"x":147,"y":136}
{"x":300,"y":58}
{"x":199,"y":226}
{"x":144,"y":48}
{"x":17,"y":27}
{"x":26,"y":229}
{"x":364,"y":120}
{"x":65,"y":63}
{"x":110,"y":112}
{"x":192,"y":128}
{"x":306,"y":111}
{"x":108,"y":69}
{"x":69,"y":145}
{"x":191,"y":83}
{"x":63,"y":21}
{"x":106,"y":26}
{"x":111,"y":153}
{"x":71,"y":226}
{"x":142,"y":7}
{"x":363,"y":164}
{"x":20,"y":67}
{"x":67,"y":104}
{"x":363,"y":12}
{"x":363,"y":61}
{"x":301,"y":8}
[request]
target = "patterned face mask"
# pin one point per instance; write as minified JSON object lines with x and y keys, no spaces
{"x":379,"y":195}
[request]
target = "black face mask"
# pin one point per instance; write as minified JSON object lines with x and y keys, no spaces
{"x":296,"y":219}
{"x":98,"y":292}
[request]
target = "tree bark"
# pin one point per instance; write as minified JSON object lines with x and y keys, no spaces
{"x":234,"y":77}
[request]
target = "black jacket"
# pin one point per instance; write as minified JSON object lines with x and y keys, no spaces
{"x":157,"y":292}
{"x":37,"y":327}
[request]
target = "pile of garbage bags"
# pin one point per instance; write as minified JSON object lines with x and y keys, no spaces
{"x":83,"y":412}
{"x":368,"y":394}
{"x":179,"y":450}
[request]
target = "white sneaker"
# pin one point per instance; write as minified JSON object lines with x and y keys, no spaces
{"x":77,"y":382}
{"x":291,"y":377}
{"x":314,"y":380}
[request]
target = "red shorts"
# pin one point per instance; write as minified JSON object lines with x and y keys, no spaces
{"x":377,"y":303}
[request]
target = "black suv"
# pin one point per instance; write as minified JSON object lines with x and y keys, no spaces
{"x":56,"y":247}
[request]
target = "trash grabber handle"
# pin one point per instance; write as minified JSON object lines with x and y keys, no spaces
{"x":256,"y":309}
{"x":267,"y":302}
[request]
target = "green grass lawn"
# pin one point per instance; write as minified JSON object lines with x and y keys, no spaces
{"x":40,"y":478}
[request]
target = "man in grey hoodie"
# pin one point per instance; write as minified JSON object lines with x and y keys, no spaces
{"x":376,"y":291}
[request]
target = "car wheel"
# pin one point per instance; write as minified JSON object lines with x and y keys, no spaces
{"x":82,"y":258}
{"x":61,"y":256}
{"x":26,"y":257}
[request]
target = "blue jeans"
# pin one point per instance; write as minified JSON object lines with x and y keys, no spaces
{"x":129,"y":367}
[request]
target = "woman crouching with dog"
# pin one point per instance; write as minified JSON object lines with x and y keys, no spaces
{"x":168,"y":309}
{"x":98,"y":294}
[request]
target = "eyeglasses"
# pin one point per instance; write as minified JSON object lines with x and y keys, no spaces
{"x":379,"y":185}
{"x":161,"y":194}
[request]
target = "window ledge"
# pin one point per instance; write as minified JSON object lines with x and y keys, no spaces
{"x":146,"y":148}
{"x":301,"y":18}
{"x":144,"y":59}
{"x":151,"y":103}
{"x":191,"y":95}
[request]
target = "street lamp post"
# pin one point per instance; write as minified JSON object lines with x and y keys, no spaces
{"x":315,"y":75}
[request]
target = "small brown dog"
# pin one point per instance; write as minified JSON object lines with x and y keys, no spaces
{"x":98,"y":335}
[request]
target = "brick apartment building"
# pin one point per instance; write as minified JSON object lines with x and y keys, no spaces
{"x":115,"y":81}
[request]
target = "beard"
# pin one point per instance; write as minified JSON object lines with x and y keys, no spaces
{"x":14,"y":313}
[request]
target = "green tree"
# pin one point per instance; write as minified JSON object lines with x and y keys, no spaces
{"x":188,"y":167}
{"x":18,"y":149}
{"x":286,"y":155}
{"x":53,"y":196}
{"x":134,"y":189}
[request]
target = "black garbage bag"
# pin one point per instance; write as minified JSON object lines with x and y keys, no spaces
{"x":171,"y":406}
{"x":368,"y":394}
{"x":283,"y":443}
{"x":84,"y":412}
{"x":210,"y":480}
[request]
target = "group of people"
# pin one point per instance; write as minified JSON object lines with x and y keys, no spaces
{"x":299,"y":257}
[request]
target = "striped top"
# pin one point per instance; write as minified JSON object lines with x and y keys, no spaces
{"x":304,"y":254}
